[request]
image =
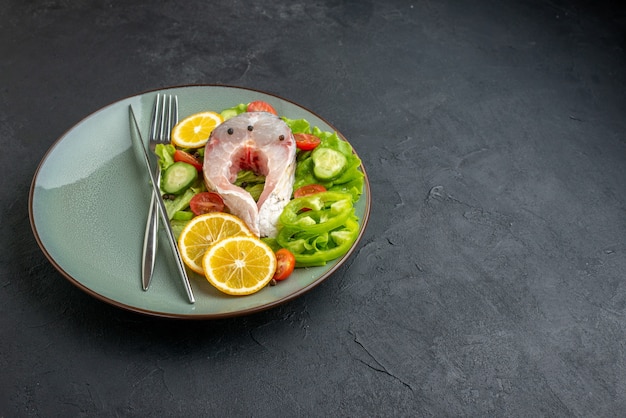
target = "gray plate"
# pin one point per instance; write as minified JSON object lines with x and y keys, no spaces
{"x":88,"y":203}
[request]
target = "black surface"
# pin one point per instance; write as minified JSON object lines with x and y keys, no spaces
{"x":491,"y":278}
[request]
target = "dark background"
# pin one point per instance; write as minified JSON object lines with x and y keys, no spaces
{"x":490,"y":280}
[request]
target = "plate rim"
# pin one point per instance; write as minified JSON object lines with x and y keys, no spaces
{"x":200,"y":316}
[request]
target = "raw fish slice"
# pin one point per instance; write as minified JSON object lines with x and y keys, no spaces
{"x":260,"y":142}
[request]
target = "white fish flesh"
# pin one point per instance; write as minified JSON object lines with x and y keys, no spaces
{"x":260,"y":142}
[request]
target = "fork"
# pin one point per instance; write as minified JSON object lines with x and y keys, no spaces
{"x":164,"y":117}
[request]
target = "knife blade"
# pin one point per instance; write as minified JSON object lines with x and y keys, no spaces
{"x":138,"y":141}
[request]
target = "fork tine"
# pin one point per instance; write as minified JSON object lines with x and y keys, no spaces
{"x":154,"y":123}
{"x":168,"y":125}
{"x":167,"y":115}
{"x":163,"y":119}
{"x":175,"y":120}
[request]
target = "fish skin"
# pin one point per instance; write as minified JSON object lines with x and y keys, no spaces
{"x":261,"y":150}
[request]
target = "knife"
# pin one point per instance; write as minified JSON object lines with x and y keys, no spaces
{"x":150,"y":241}
{"x":138,"y":140}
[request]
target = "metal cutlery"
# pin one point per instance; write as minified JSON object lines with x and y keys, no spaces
{"x":139,"y":145}
{"x":164,"y":117}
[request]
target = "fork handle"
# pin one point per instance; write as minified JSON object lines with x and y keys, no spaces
{"x":150,"y":242}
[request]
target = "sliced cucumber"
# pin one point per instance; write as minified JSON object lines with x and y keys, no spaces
{"x":327,"y":163}
{"x":178,"y":177}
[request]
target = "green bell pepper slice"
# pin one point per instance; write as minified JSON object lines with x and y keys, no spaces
{"x":311,"y":249}
{"x":326,"y":211}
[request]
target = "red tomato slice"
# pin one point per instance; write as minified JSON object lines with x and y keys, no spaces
{"x":185,"y":157}
{"x":285,"y":263}
{"x":206,"y":202}
{"x":308,"y":190}
{"x":261,"y":106}
{"x":306,"y":142}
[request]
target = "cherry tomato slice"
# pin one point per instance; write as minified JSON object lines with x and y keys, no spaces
{"x":306,"y":142}
{"x":261,"y":106}
{"x":185,"y":157}
{"x":206,"y":202}
{"x":285,"y":263}
{"x":308,"y":190}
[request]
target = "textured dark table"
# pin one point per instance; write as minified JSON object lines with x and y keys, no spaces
{"x":491,"y":278}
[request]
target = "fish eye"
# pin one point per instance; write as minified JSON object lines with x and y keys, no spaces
{"x":250,"y":128}
{"x":281,"y":138}
{"x":230,"y":131}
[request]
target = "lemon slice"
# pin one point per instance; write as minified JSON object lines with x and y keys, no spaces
{"x":194,"y":130}
{"x":239,"y":265}
{"x":203,"y":231}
